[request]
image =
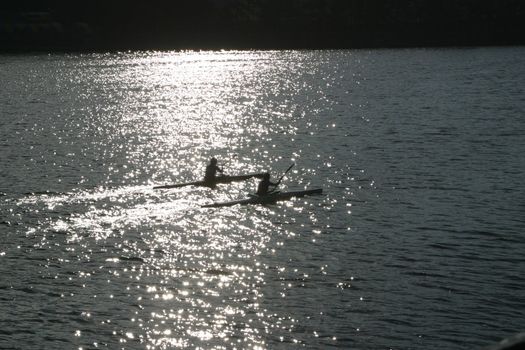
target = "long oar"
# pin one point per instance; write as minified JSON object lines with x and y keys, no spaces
{"x":282,"y":177}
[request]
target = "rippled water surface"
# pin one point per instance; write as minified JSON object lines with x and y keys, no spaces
{"x":416,"y":243}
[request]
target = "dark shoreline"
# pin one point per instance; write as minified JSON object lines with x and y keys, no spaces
{"x":98,"y":26}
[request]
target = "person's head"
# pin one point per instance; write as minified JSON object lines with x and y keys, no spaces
{"x":266,"y":176}
{"x":213,"y":160}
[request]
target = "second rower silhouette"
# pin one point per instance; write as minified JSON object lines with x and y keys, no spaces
{"x":211,"y":173}
{"x":264,"y":185}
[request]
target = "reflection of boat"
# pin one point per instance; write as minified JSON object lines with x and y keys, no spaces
{"x":225,"y":179}
{"x":267,"y":199}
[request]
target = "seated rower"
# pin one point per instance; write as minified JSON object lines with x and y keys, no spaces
{"x":264,"y":185}
{"x":211,"y":172}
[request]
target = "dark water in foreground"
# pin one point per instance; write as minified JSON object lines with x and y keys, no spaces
{"x":417,"y":242}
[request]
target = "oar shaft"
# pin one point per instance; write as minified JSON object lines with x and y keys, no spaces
{"x":286,"y":172}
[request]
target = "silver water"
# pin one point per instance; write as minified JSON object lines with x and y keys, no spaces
{"x":416,"y":243}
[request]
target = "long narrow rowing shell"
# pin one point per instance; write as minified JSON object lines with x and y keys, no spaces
{"x":225,"y":179}
{"x":267,"y":199}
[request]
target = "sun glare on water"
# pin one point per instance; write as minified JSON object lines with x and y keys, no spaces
{"x":174,"y":274}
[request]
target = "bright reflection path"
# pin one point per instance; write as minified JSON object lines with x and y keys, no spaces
{"x":416,"y":242}
{"x":145,"y":268}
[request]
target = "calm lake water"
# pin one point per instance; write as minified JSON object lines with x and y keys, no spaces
{"x":416,"y":243}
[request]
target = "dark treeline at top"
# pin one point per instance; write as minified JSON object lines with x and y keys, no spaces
{"x":266,"y":24}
